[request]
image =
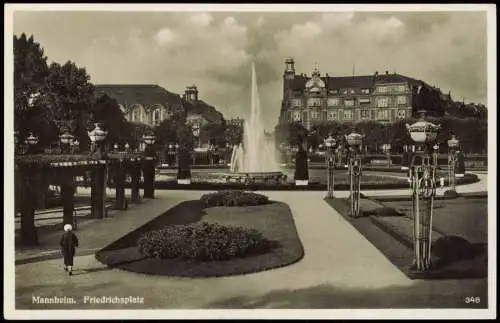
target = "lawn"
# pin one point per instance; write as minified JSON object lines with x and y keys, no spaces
{"x":273,"y":220}
{"x":464,"y":217}
{"x":461,"y":223}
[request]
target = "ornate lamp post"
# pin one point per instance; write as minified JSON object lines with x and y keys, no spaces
{"x":423,"y":185}
{"x":453,"y":145}
{"x":170,"y":154}
{"x":354,"y":140}
{"x":97,"y":138}
{"x":329,"y":143}
{"x":176,"y":147}
{"x":435,"y":154}
{"x":98,"y":186}
{"x":405,"y":160}
{"x":76,"y":146}
{"x":67,"y":141}
{"x":31,"y":141}
{"x":149,"y":165}
{"x":386,"y":148}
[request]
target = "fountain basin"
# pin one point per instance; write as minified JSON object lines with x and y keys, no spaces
{"x":248,"y":177}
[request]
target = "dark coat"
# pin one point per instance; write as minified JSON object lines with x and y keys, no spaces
{"x":68,"y":243}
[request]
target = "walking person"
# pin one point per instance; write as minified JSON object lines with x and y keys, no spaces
{"x":68,"y":243}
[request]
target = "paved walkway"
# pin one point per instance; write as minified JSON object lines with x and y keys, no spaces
{"x":341,"y":269}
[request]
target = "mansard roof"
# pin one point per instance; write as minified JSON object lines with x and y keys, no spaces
{"x":358,"y":81}
{"x":144,"y":94}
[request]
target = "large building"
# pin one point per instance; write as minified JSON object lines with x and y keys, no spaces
{"x":383,"y":97}
{"x":151,"y":104}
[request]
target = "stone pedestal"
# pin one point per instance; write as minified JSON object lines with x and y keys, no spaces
{"x":135,"y":173}
{"x":149,"y":177}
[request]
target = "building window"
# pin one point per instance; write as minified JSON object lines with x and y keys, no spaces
{"x":382,"y":102}
{"x":136,"y":115}
{"x":314,"y":115}
{"x":333,"y":91}
{"x":401,"y":99}
{"x":348,"y":115}
{"x":349,"y":103}
{"x":333,"y":102}
{"x":314,"y":102}
{"x":364,"y":101}
{"x":156,"y":116}
{"x":365,"y":113}
{"x":365,"y":91}
{"x":297,"y":103}
{"x":382,"y":114}
{"x":296,"y":116}
{"x":382,"y":89}
{"x":401,"y":114}
{"x":401,"y":88}
{"x":345,"y":91}
{"x":332,"y":115}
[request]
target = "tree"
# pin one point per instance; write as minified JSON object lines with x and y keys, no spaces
{"x":30,"y":71}
{"x":233,"y":134}
{"x":296,"y":134}
{"x":138,"y":130}
{"x":166,"y":131}
{"x":185,"y":136}
{"x":69,"y":96}
{"x":107,"y":111}
{"x":213,"y":133}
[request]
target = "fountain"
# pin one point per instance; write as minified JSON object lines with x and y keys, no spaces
{"x":254,"y":160}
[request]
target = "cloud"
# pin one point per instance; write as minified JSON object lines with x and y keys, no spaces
{"x":165,"y":36}
{"x":201,"y":19}
{"x":337,"y":19}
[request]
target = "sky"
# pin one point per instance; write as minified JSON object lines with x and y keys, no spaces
{"x":215,"y":50}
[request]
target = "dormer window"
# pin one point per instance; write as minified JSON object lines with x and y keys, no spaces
{"x":365,"y":91}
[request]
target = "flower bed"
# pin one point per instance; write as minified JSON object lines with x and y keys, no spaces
{"x":203,"y":242}
{"x":243,"y":240}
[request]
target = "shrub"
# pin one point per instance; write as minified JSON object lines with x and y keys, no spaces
{"x":451,"y":194}
{"x":452,"y":248}
{"x":234,"y":198}
{"x":203,"y":242}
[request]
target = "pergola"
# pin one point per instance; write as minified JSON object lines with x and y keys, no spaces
{"x":61,"y":170}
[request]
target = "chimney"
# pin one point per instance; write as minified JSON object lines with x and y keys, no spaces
{"x":386,"y":72}
{"x":376,"y":73}
{"x":326,"y":74}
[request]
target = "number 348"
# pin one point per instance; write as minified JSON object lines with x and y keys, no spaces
{"x":472,"y":300}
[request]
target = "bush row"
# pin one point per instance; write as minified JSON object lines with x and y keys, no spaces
{"x":234,"y":198}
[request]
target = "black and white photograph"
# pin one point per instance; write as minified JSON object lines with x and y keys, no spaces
{"x":261,"y":161}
